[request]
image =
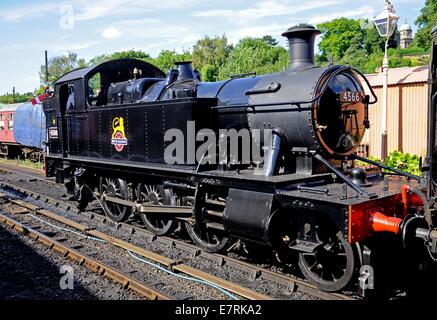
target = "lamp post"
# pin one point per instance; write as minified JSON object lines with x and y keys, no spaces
{"x":385,"y":23}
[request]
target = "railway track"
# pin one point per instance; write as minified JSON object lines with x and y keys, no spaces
{"x":189,"y":263}
{"x":69,"y":240}
{"x":84,"y":260}
{"x":31,"y":173}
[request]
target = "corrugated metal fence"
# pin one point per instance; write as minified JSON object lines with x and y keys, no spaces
{"x":407,"y":114}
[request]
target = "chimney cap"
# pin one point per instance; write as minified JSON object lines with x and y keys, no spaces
{"x":301,"y":29}
{"x":181,"y":63}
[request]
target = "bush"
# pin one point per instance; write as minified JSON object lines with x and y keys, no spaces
{"x":405,"y":162}
{"x":398,"y":160}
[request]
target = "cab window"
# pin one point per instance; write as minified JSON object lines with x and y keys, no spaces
{"x":70,"y":100}
{"x":95,"y":91}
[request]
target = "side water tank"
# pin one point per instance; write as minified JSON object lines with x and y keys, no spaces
{"x":30,"y":126}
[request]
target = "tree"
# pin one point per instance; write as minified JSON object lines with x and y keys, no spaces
{"x":366,"y":50}
{"x":425,"y":22}
{"x":131,"y":54}
{"x":373,"y":42}
{"x":254,"y":55}
{"x":270,"y":40}
{"x":356,"y":55}
{"x":167,"y":58}
{"x":209,"y":72}
{"x":19,"y":98}
{"x":358,"y":43}
{"x":209,"y":54}
{"x":58,"y":66}
{"x":337,"y":36}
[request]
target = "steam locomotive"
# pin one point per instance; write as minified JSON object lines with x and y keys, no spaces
{"x":114,"y":132}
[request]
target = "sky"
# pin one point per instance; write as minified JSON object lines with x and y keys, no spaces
{"x":93,"y":27}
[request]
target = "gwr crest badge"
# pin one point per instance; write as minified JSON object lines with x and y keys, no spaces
{"x":119,"y":139}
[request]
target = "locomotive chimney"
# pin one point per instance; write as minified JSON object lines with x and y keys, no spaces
{"x":185,"y":70}
{"x":301,"y":41}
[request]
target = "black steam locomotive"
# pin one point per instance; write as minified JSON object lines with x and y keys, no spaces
{"x":114,"y":132}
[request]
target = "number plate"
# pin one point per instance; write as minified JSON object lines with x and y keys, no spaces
{"x":350,"y":97}
{"x":53,"y":133}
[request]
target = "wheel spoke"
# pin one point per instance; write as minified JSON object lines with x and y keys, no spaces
{"x":331,"y":266}
{"x":114,"y":188}
{"x":207,"y":239}
{"x":154,"y":195}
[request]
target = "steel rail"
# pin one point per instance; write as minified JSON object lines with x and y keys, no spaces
{"x":38,"y":175}
{"x":91,"y":264}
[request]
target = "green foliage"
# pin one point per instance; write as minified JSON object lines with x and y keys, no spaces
{"x":40,"y":90}
{"x":58,"y":66}
{"x":398,"y":160}
{"x":405,"y":162}
{"x":425,"y":22}
{"x":414,"y":50}
{"x":337,"y":37}
{"x":24,"y":163}
{"x":209,"y":54}
{"x":369,"y":63}
{"x":254,"y":55}
{"x":359,"y":163}
{"x":131,"y":54}
{"x":358,"y":43}
{"x":209,"y":72}
{"x":19,"y":98}
{"x":167,"y":58}
{"x":270,"y":40}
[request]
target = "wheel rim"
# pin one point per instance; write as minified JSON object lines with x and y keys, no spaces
{"x":207,"y":239}
{"x":114,"y":188}
{"x":330,"y":267}
{"x":156,"y":195}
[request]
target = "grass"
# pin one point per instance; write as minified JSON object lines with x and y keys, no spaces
{"x":26,"y":163}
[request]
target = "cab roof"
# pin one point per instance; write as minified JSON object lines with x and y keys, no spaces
{"x":148,"y":69}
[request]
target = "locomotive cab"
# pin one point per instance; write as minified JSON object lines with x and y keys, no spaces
{"x":75,"y":95}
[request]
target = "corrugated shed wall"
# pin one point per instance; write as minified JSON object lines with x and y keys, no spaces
{"x":415,"y":118}
{"x":406,"y":120}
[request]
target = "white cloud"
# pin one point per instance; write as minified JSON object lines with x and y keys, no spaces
{"x":274,"y":30}
{"x":63,"y":48}
{"x":84,"y":10}
{"x":362,"y":12}
{"x":93,"y":9}
{"x":214,"y":13}
{"x":111,"y":33}
{"x":269,"y":8}
{"x":141,"y":29}
{"x":18,"y":13}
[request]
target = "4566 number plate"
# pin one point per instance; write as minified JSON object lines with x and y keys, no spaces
{"x":350,"y":97}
